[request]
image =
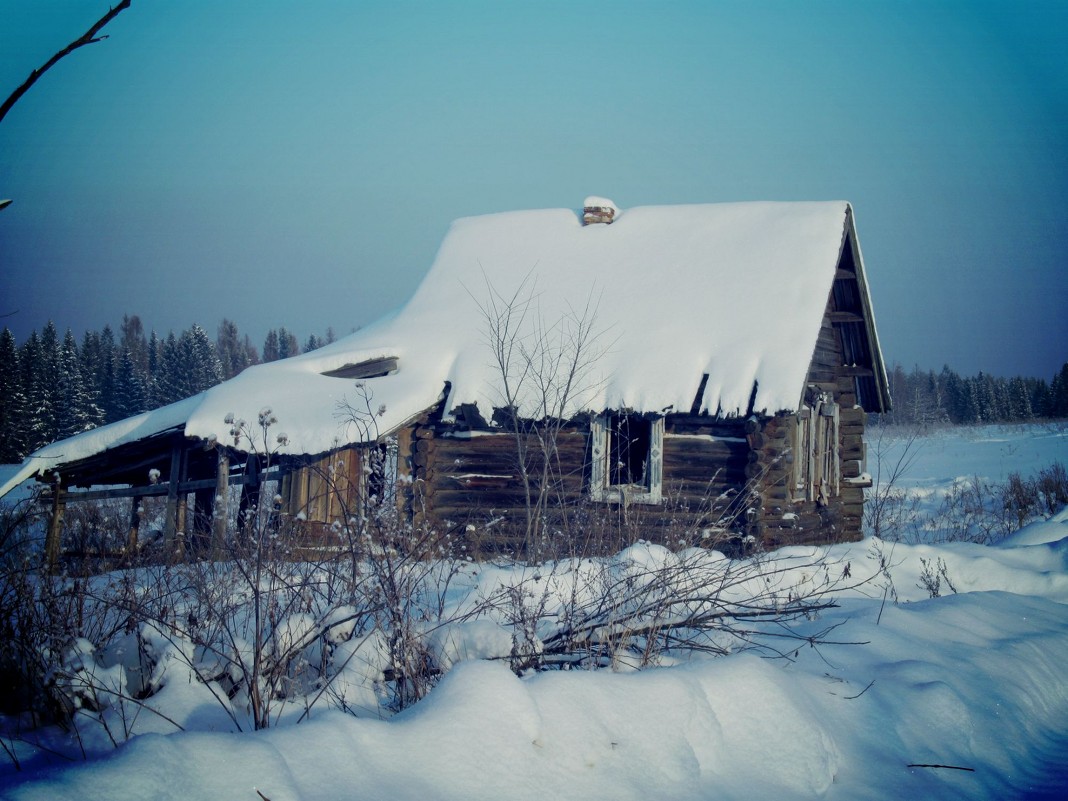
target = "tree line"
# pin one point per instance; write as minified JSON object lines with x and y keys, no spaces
{"x":53,"y":387}
{"x":929,"y":398}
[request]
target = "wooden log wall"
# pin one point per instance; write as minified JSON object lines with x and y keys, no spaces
{"x":474,"y":478}
{"x":479,"y":477}
{"x":705,"y":472}
{"x":784,"y":520}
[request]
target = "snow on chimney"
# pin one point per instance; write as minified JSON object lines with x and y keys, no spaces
{"x":598,"y":210}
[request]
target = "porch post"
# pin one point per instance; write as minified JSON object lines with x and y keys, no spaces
{"x":200,"y":540}
{"x":171,"y":518}
{"x":221,"y":505}
{"x":250,"y":491}
{"x":55,"y":525}
{"x":135,"y":525}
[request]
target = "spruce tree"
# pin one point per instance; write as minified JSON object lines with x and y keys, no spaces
{"x":132,"y":338}
{"x":1059,"y":393}
{"x":36,"y":422}
{"x":171,"y":383}
{"x":89,"y":360}
{"x":234,"y":353}
{"x":12,"y":401}
{"x":1019,"y":400}
{"x":287,"y":344}
{"x":73,"y":414}
{"x":108,"y":360}
{"x":130,"y":395}
{"x":270,"y":346}
{"x":155,"y":368}
{"x":202,"y":361}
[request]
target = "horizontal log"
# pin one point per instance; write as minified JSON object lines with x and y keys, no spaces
{"x":495,"y":499}
{"x":724,"y":478}
{"x":852,"y":510}
{"x":850,"y":414}
{"x":725,"y":471}
{"x":777,"y":497}
{"x":700,"y":447}
{"x":477,"y":482}
{"x":696,"y":496}
{"x":851,"y":468}
{"x":780,"y":426}
{"x":454,"y":480}
{"x":163,"y":488}
{"x":852,"y":495}
{"x":500,"y":446}
{"x":844,"y":317}
{"x":699,"y":424}
{"x":806,"y":521}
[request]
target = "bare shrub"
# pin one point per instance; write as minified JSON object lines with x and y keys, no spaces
{"x":888,"y":508}
{"x":932,"y":575}
{"x":650,"y":606}
{"x":545,"y":372}
{"x":974,"y":509}
{"x":1052,"y":487}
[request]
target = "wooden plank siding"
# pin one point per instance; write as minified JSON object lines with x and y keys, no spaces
{"x":320,"y":493}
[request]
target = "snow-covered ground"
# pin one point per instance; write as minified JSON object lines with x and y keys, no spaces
{"x":963,"y":695}
{"x":938,"y":458}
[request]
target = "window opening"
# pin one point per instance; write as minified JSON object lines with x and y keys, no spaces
{"x":381,"y":473}
{"x":627,"y":458}
{"x":629,"y":439}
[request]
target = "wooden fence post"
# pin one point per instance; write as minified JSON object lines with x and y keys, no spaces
{"x":55,"y":525}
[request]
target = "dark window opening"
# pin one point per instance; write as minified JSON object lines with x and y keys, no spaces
{"x":381,"y":472}
{"x":629,"y":443}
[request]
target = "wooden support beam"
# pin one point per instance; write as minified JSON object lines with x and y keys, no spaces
{"x":862,"y":372}
{"x":181,"y":516}
{"x":170,"y":521}
{"x":135,"y":525}
{"x":222,"y":504}
{"x":157,"y":489}
{"x":55,"y":525}
{"x":844,"y":317}
{"x":250,"y":490}
{"x":199,"y":538}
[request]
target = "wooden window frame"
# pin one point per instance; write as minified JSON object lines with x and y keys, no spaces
{"x":817,"y":465}
{"x":650,"y":491}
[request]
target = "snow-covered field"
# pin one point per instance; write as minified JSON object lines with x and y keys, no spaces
{"x":964,"y":695}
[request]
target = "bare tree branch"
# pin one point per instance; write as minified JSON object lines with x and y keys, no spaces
{"x":89,"y":37}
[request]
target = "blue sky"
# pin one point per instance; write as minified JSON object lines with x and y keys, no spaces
{"x":298,"y":164}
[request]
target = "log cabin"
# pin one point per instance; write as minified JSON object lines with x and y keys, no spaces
{"x":700,"y":372}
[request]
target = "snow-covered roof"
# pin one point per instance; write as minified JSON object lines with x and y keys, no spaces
{"x":736,"y":291}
